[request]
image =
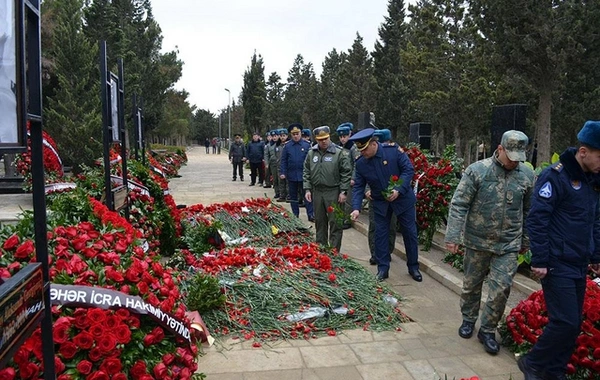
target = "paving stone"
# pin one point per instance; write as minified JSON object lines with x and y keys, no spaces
{"x":420,"y":369}
{"x":346,"y":373}
{"x":379,"y":352}
{"x":453,"y":367}
{"x":487,"y":365}
{"x":292,"y":374}
{"x":356,"y":336}
{"x":251,"y":361}
{"x":328,"y":356}
{"x":381,"y":371}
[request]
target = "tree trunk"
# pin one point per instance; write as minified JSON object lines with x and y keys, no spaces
{"x":543,"y":123}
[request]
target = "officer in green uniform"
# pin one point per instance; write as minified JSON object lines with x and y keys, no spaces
{"x":271,"y":164}
{"x":283,"y":185}
{"x":489,"y":208}
{"x":326,"y":176}
{"x":344,"y":131}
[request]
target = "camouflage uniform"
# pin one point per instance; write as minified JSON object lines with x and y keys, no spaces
{"x":490,"y":205}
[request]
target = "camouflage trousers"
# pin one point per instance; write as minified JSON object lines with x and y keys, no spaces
{"x":500,"y":270}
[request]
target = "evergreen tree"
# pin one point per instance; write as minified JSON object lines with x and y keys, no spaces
{"x":301,"y":94}
{"x":274,"y":106}
{"x":329,"y":112}
{"x":392,"y":90}
{"x":356,"y":87}
{"x":254,"y":94}
{"x":532,"y":39}
{"x":73,"y":113}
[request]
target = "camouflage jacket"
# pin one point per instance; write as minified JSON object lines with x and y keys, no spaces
{"x":490,"y":206}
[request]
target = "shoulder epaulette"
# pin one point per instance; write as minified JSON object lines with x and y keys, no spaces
{"x":558,"y":167}
{"x":391,"y":143}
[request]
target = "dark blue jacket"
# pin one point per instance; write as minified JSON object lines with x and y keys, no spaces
{"x":292,"y":159}
{"x":255,"y":151}
{"x":564,"y":220}
{"x":376,"y":172}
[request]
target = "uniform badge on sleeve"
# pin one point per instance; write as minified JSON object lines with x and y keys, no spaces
{"x":576,"y":184}
{"x":546,"y":190}
{"x":315,"y":159}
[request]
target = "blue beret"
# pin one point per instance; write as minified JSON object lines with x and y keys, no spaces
{"x":306,"y":132}
{"x":283,"y":131}
{"x":590,"y":134}
{"x":343,"y":131}
{"x":346,"y":125}
{"x":362,"y":138}
{"x":295,"y":127}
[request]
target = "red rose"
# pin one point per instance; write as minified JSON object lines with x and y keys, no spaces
{"x":4,"y":273}
{"x":160,"y":371}
{"x":84,"y":340}
{"x":8,"y":373}
{"x":68,"y":350}
{"x":29,"y":371}
{"x":113,"y":274}
{"x":96,"y":316}
{"x":60,"y":333}
{"x":11,"y":242}
{"x":143,"y":287}
{"x":106,"y":343}
{"x":98,"y":375}
{"x":119,"y":376}
{"x":25,"y":250}
{"x":149,"y":340}
{"x":111,"y":366}
{"x":138,"y":369}
{"x":159,"y":334}
{"x":123,"y":334}
{"x":97,"y":330}
{"x":22,"y":356}
{"x":84,"y":367}
{"x":95,"y":354}
{"x":330,"y":209}
{"x":168,"y":358}
{"x":395,"y":178}
{"x":59,"y":366}
{"x":64,"y":376}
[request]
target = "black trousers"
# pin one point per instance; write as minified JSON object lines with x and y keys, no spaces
{"x":239,"y":165}
{"x":256,"y":170}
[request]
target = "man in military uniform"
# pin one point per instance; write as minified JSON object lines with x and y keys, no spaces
{"x":344,"y":131}
{"x":564,"y":230}
{"x":267,"y":174}
{"x":271,"y":164}
{"x":376,"y":165}
{"x":385,"y":137}
{"x":327,"y":173}
{"x":489,"y":207}
{"x":292,"y":161}
{"x":306,"y":135}
{"x":283,"y":186}
{"x":237,"y":156}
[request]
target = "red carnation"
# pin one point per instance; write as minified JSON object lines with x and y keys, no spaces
{"x":330,"y":209}
{"x":84,"y":367}
{"x":98,"y":375}
{"x":332,"y":277}
{"x":11,"y":242}
{"x":395,"y":178}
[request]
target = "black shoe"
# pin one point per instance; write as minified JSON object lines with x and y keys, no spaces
{"x":489,"y":342}
{"x":416,"y":275}
{"x":281,"y":200}
{"x":346,"y":226}
{"x":372,"y":261}
{"x":530,"y":373}
{"x":252,"y":184}
{"x":267,"y":186}
{"x":287,"y":200}
{"x":312,"y":220}
{"x":381,"y":275}
{"x":276,"y":197}
{"x":241,"y":179}
{"x":300,"y":204}
{"x":466,"y":329}
{"x":233,"y":180}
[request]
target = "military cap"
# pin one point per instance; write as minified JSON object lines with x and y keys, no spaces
{"x":306,"y":132}
{"x":343,"y":131}
{"x":515,"y":144}
{"x":362,"y":138}
{"x":274,"y":132}
{"x":386,"y":135}
{"x":283,"y":131}
{"x":321,"y":133}
{"x":295,"y":128}
{"x":237,"y":135}
{"x":346,"y":125}
{"x":590,"y":134}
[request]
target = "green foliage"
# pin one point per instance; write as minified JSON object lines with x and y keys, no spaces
{"x":203,"y":293}
{"x":197,"y":235}
{"x":254,"y":94}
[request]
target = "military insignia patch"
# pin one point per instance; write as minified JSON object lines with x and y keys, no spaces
{"x":576,"y":184}
{"x":328,"y":159}
{"x":546,"y":190}
{"x":315,"y":159}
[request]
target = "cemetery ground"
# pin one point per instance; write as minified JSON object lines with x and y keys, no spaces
{"x":426,"y":348}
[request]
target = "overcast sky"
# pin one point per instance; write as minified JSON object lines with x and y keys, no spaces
{"x":216,"y":38}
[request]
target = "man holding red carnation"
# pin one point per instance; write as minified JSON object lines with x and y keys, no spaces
{"x":564,"y":229}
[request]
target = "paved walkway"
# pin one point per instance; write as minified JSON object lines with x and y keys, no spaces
{"x":427,"y":349}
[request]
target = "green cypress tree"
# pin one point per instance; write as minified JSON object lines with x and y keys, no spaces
{"x":254,"y":94}
{"x":73,"y":114}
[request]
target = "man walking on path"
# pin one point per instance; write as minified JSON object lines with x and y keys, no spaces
{"x":489,"y":206}
{"x":376,"y":167}
{"x":237,"y":156}
{"x":292,"y":161}
{"x":327,"y":172}
{"x":564,"y":230}
{"x":256,"y":155}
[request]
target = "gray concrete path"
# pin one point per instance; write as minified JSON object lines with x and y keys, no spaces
{"x":427,"y":349}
